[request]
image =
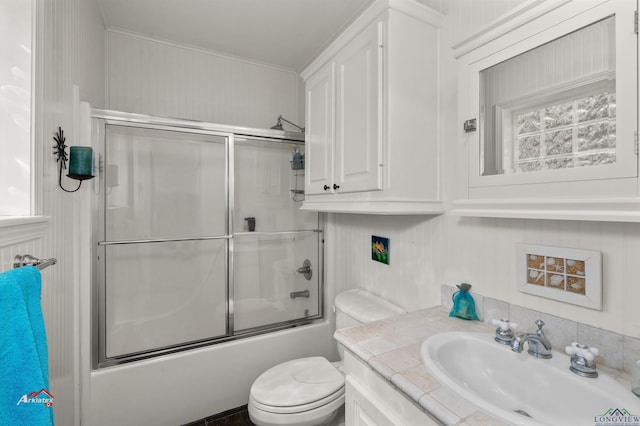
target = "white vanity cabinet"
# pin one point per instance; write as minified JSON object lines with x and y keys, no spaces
{"x":372,"y":136}
{"x":371,"y":401}
{"x":553,"y":92}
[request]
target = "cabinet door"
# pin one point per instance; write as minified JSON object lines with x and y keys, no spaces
{"x":364,"y":410}
{"x":358,"y":156}
{"x":320,"y":89}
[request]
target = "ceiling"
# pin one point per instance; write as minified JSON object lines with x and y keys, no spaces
{"x":286,"y":33}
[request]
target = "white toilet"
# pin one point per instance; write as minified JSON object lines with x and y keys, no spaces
{"x":310,"y":391}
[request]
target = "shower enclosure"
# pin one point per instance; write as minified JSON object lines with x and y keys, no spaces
{"x":199,"y":239}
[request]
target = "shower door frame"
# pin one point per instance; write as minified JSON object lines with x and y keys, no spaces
{"x":100,"y":119}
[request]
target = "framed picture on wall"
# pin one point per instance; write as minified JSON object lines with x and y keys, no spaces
{"x":564,"y":274}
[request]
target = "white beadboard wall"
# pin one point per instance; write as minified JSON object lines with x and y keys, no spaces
{"x":70,"y":51}
{"x":156,"y":77}
{"x":411,"y":266}
{"x":429,"y":251}
{"x":581,"y":55}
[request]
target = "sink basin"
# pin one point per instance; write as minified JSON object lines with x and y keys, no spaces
{"x":518,"y":388}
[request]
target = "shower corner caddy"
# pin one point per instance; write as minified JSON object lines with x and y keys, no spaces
{"x":295,"y":174}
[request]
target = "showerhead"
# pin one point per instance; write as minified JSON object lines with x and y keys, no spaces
{"x":278,"y":125}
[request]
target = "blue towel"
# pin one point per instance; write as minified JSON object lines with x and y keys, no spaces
{"x":24,"y":367}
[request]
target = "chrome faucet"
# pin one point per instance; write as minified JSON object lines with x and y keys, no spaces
{"x":539,"y":345}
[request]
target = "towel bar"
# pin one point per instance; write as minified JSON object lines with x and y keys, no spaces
{"x":28,"y":260}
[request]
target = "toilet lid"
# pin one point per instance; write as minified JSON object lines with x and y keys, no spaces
{"x":298,"y":382}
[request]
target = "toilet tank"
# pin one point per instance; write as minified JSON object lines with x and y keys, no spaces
{"x":357,"y":307}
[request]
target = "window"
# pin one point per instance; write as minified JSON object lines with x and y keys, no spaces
{"x":554,"y":92}
{"x":578,"y":132}
{"x":556,"y":104}
{"x":18,"y":222}
{"x":552,"y":107}
{"x":15,"y":108}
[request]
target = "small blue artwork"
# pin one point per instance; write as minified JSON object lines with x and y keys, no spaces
{"x":380,"y":249}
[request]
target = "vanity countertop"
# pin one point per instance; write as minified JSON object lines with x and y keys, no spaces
{"x":391,"y":348}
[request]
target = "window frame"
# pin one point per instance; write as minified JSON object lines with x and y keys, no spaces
{"x":16,"y":229}
{"x":506,"y":132}
{"x":554,"y":25}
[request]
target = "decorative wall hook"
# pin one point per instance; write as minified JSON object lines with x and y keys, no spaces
{"x":80,"y":161}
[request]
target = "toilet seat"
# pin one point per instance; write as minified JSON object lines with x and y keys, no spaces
{"x":298,"y":408}
{"x":298,"y":385}
{"x":318,"y":416}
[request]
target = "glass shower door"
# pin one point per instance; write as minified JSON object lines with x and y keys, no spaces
{"x":272,"y":238}
{"x":165,"y":239}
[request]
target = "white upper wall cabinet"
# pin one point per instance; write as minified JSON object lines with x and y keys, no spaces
{"x":372,"y":135}
{"x":553,"y":91}
{"x":355,"y":145}
{"x":320,"y":132}
{"x":358,"y":154}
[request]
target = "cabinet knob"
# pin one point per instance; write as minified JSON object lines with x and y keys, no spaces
{"x":326,"y":187}
{"x":336,"y":186}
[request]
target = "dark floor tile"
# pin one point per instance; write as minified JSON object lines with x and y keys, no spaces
{"x":240,"y":418}
{"x":236,"y":417}
{"x":200,"y":422}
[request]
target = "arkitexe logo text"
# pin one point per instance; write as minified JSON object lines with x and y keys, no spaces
{"x":40,"y":397}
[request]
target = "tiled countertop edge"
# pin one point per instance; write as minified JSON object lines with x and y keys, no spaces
{"x":428,"y":401}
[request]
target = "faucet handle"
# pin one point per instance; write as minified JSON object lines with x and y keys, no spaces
{"x":504,"y":333}
{"x":588,"y":353}
{"x":504,"y":324}
{"x":583,"y":359}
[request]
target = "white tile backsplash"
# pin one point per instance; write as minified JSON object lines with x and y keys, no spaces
{"x":559,"y":331}
{"x":609,"y":344}
{"x":524,"y":317}
{"x":494,"y":309}
{"x":630,"y":353}
{"x":616,"y":351}
{"x":446,"y":296}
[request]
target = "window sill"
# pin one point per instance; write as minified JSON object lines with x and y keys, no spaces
{"x":596,"y":209}
{"x":18,"y":229}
